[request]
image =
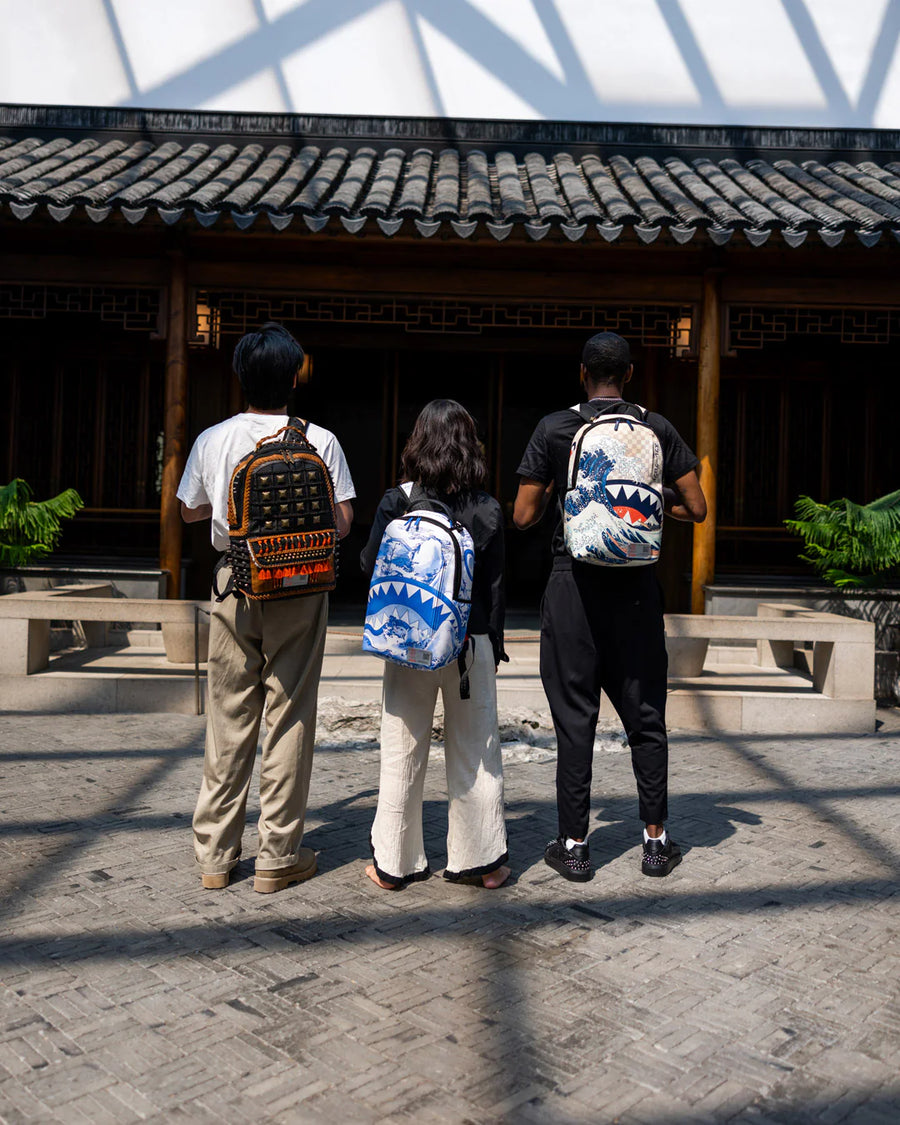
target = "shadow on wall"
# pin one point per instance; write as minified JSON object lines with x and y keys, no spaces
{"x":796,"y":63}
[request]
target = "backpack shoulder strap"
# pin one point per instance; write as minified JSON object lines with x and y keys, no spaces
{"x":419,"y":498}
{"x":585,"y":411}
{"x":642,"y":410}
{"x":230,"y":588}
{"x":297,"y":428}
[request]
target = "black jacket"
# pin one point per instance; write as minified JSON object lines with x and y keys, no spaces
{"x":483,"y":517}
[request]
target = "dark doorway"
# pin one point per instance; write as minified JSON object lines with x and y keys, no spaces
{"x":808,"y":415}
{"x":370,"y":392}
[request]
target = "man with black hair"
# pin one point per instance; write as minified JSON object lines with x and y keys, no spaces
{"x":602,"y":626}
{"x":265,"y":657}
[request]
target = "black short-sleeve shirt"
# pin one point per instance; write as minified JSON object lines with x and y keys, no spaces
{"x":546,"y":457}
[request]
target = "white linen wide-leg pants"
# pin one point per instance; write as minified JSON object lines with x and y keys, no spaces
{"x":476,"y":837}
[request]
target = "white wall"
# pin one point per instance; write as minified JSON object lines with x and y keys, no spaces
{"x":775,"y":62}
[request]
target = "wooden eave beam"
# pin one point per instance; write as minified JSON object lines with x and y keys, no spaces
{"x":419,"y":281}
{"x":38,"y":269}
{"x":802,"y":289}
{"x":533,"y":280}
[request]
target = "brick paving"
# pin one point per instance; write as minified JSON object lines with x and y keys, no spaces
{"x":758,"y":983}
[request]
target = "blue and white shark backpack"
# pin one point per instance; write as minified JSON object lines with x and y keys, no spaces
{"x":613,"y":506}
{"x":421,"y":589}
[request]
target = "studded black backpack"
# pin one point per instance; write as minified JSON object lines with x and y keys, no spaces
{"x":281,"y":520}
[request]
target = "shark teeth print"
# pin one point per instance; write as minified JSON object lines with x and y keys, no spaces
{"x":405,"y":602}
{"x":634,"y":503}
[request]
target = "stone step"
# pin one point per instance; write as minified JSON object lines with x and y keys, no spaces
{"x":726,"y":698}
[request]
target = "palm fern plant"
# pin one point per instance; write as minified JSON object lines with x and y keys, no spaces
{"x":850,"y":545}
{"x":30,"y":529}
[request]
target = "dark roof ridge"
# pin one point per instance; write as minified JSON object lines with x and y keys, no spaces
{"x":463,"y":133}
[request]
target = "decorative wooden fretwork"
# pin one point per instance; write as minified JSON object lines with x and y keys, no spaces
{"x":755,"y":326}
{"x":134,"y":309}
{"x":237,"y":312}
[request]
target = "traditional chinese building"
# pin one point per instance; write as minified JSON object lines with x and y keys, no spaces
{"x":754,"y":272}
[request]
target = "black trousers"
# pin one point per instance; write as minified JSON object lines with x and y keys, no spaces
{"x":603,"y":629}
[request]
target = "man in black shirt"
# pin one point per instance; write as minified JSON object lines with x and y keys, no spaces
{"x":602,"y":626}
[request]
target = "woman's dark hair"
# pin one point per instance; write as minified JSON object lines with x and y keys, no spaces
{"x":443,"y":453}
{"x":265,"y":363}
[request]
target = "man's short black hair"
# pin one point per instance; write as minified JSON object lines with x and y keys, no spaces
{"x":265,"y":363}
{"x":606,"y":358}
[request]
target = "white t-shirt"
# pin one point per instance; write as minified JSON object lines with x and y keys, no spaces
{"x":218,"y":450}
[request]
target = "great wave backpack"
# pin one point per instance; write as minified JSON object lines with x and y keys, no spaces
{"x":613,"y":504}
{"x":281,"y":520}
{"x":421,"y":590}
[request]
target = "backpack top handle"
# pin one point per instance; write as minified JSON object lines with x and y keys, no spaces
{"x":298,"y":425}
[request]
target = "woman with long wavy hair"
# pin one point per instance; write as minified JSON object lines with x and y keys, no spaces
{"x":444,"y":459}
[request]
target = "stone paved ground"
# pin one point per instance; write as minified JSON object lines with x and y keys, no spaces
{"x":758,"y":983}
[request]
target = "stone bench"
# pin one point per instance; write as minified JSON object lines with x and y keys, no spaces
{"x":843,"y":648}
{"x":26,"y":622}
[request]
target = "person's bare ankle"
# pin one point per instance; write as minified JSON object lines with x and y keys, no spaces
{"x":496,"y":878}
{"x":377,"y":880}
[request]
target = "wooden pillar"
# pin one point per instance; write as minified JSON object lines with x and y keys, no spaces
{"x":174,"y":425}
{"x":704,"y":561}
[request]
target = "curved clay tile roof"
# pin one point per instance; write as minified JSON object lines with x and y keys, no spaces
{"x":630,"y":182}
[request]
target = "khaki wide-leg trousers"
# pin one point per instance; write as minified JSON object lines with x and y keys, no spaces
{"x":265,"y":659}
{"x":476,"y":836}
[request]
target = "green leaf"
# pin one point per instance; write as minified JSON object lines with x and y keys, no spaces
{"x":850,"y":544}
{"x":30,"y":529}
